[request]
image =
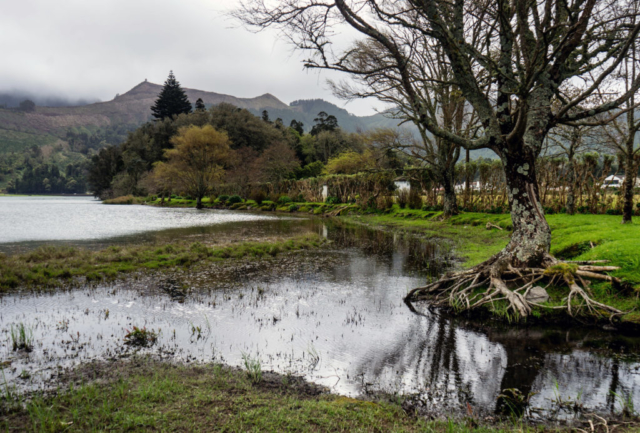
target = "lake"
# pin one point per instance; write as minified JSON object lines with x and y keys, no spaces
{"x":28,"y":222}
{"x":334,"y":316}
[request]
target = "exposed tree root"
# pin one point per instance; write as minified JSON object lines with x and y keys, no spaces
{"x":498,"y":280}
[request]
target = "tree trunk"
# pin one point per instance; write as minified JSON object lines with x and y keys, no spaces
{"x":628,"y":187}
{"x":449,"y":201}
{"x":466,"y":181}
{"x":199,"y":203}
{"x":571,"y":194}
{"x":531,"y":238}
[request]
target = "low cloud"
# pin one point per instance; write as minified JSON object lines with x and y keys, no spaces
{"x":94,"y":50}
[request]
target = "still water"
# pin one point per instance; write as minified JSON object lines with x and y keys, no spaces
{"x":336,"y":317}
{"x":28,"y":222}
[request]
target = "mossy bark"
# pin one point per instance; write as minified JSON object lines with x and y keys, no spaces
{"x":531,"y":239}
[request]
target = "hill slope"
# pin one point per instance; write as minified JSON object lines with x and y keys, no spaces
{"x":46,"y":125}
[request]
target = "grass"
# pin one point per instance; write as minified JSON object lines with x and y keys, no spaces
{"x":125,"y":199}
{"x":156,"y":396}
{"x":253,"y":367}
{"x":574,"y":237}
{"x":49,"y":266}
{"x":473,"y":242}
{"x":21,"y":337}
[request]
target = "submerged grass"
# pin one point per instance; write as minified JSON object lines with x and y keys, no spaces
{"x":158,"y":396}
{"x":50,"y":266}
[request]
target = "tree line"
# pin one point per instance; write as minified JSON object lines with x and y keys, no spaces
{"x":259,"y":149}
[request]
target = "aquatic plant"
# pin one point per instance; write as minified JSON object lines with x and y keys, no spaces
{"x":10,"y":394}
{"x":314,"y":357}
{"x":63,"y":325}
{"x":21,"y":337}
{"x":625,"y":402}
{"x":141,"y":337}
{"x":253,"y":367}
{"x":513,"y":402}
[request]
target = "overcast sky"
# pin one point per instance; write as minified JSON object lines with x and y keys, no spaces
{"x":96,"y":49}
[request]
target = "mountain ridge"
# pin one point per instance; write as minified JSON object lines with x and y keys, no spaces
{"x":49,"y":125}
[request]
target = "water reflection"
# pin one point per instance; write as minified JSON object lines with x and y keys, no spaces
{"x":335,"y":316}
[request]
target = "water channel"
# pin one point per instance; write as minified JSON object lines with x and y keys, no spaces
{"x":334,"y":316}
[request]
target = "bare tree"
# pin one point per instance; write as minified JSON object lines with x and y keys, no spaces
{"x":619,"y":133}
{"x":440,"y":98}
{"x":512,"y":61}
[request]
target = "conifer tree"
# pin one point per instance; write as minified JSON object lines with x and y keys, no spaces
{"x":200,"y":105}
{"x":171,"y":101}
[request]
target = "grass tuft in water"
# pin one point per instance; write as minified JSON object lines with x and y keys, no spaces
{"x":140,"y":337}
{"x":21,"y":337}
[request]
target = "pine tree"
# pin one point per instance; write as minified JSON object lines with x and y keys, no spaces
{"x":200,"y":105}
{"x":171,"y":101}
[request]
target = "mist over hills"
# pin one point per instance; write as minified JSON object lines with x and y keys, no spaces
{"x":49,"y":125}
{"x":11,"y":99}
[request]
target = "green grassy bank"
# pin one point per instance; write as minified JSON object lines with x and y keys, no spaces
{"x":144,"y":395}
{"x":573,"y":237}
{"x":48,"y":266}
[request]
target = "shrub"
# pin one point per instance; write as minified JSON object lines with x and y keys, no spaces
{"x":293,"y":207}
{"x":284,"y":199}
{"x":384,"y":202}
{"x":414,"y":200}
{"x":332,"y":200}
{"x":258,"y":196}
{"x":403,"y":198}
{"x":234,"y":199}
{"x":300,"y":198}
{"x":223,"y":198}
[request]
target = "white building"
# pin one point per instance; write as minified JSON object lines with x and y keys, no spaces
{"x":615,"y":181}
